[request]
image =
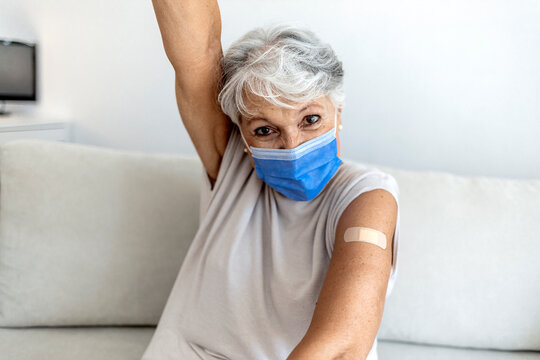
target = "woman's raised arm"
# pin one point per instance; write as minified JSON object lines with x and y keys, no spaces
{"x":191,"y":33}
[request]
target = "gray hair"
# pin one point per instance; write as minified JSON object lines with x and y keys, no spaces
{"x":279,"y":61}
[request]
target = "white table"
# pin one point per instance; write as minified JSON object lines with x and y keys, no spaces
{"x":14,"y":127}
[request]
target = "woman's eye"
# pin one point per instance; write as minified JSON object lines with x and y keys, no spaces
{"x":312,"y":119}
{"x":262,"y":131}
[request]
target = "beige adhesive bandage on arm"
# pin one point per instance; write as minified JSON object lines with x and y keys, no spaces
{"x":365,"y":234}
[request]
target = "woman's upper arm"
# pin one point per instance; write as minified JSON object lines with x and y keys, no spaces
{"x":191,"y":34}
{"x":208,"y":127}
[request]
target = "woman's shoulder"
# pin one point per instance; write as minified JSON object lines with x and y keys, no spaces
{"x":234,"y":170}
{"x":353,"y":179}
{"x":350,"y":181}
{"x":362,"y":177}
{"x":234,"y":154}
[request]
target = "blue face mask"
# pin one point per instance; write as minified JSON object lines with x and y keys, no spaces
{"x":300,"y":173}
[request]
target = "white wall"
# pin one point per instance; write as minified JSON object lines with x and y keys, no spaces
{"x":442,"y":85}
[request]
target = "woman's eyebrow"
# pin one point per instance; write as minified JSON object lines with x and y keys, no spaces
{"x":260,"y":117}
{"x":308,"y":106}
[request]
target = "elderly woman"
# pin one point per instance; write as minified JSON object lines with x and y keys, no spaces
{"x":296,"y":250}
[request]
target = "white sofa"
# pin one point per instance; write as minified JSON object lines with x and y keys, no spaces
{"x":91,"y":241}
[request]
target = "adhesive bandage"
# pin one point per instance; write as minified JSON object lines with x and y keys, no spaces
{"x":365,"y":234}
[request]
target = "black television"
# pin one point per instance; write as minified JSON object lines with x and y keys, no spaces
{"x":17,"y":72}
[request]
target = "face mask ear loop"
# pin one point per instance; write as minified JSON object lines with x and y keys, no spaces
{"x":243,"y":138}
{"x":335,"y":123}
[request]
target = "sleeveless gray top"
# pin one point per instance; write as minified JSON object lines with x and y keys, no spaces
{"x":249,"y":282}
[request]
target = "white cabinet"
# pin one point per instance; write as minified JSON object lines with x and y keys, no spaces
{"x":13,"y":128}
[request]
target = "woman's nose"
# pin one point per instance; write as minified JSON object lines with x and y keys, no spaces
{"x":290,"y":141}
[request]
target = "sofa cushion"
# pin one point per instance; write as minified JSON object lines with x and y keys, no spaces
{"x":90,"y":235}
{"x":69,"y":343}
{"x":128,"y":343}
{"x":389,"y":350}
{"x":469,"y":271}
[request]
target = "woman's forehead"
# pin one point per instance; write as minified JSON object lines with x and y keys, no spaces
{"x":259,"y":106}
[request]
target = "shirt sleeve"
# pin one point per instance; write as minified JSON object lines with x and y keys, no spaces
{"x":356,"y":182}
{"x":234,"y":153}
